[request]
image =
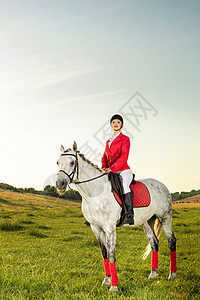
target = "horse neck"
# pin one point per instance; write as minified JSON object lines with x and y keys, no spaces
{"x":86,"y":171}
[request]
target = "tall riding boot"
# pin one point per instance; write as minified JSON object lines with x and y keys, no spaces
{"x":128,"y":203}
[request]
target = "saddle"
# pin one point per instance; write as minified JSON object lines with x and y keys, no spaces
{"x":116,"y":187}
{"x":116,"y":183}
{"x":140,"y":191}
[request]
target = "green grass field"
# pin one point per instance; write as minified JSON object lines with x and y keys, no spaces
{"x":48,"y":253}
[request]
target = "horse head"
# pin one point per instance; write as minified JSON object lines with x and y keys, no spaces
{"x":67,"y":165}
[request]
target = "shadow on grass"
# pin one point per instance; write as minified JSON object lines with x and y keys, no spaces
{"x":44,"y":227}
{"x":28,"y":222}
{"x":8,"y":226}
{"x":7,"y":217}
{"x":181,"y":224}
{"x":37,"y":234}
{"x":3,"y":201}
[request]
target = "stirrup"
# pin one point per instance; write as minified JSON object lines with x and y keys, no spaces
{"x":130,"y":221}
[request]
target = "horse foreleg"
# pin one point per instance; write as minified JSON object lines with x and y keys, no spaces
{"x":153,"y":240}
{"x":101,"y":237}
{"x":111,"y":242}
{"x":104,"y":252}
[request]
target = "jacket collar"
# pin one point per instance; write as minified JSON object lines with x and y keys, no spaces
{"x":119,"y":135}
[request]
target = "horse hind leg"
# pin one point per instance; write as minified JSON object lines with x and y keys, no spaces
{"x":149,"y":228}
{"x":167,"y":228}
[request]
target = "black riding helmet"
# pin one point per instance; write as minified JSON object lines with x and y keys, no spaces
{"x":118,"y":117}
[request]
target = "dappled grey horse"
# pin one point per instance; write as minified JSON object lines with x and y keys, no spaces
{"x":103,"y":212}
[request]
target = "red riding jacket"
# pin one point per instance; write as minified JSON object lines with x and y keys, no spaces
{"x":115,"y":158}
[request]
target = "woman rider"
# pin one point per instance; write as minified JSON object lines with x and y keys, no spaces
{"x":115,"y":160}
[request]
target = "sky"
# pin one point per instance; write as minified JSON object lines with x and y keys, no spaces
{"x":66,"y":67}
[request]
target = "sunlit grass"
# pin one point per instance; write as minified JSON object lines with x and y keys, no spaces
{"x":48,"y":253}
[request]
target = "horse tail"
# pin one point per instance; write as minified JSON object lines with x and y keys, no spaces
{"x":157,"y":230}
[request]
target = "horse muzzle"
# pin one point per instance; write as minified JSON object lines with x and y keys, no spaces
{"x":61,"y":185}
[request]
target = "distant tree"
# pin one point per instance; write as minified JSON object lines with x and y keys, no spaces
{"x":8,"y":187}
{"x":183,"y":195}
{"x":50,"y":190}
{"x":72,"y":195}
{"x":194,"y":193}
{"x":30,"y":190}
{"x":175,"y":196}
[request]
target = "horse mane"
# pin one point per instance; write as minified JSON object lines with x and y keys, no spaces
{"x":85,"y":159}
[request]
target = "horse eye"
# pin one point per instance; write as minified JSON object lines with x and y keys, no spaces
{"x":57,"y":162}
{"x":72,"y":163}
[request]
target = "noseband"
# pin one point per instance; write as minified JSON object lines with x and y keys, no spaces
{"x":74,"y":171}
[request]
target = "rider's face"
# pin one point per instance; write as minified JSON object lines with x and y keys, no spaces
{"x":116,"y":124}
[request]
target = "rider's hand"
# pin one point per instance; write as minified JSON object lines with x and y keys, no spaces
{"x":106,"y":170}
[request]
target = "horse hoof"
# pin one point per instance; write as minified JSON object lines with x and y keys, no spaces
{"x":153,"y":275}
{"x":172,"y":275}
{"x":114,"y":289}
{"x":106,"y":281}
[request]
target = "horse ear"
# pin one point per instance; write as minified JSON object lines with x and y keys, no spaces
{"x":62,"y":149}
{"x":75,"y":146}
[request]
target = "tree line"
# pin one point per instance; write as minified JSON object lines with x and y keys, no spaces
{"x":183,"y":195}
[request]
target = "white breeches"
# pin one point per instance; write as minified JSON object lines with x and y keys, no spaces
{"x":125,"y":177}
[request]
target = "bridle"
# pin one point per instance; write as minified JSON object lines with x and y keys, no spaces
{"x":74,"y":171}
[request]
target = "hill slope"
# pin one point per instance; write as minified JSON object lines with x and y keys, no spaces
{"x":13,"y":201}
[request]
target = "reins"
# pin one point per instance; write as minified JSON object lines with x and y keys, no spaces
{"x":77,"y":182}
